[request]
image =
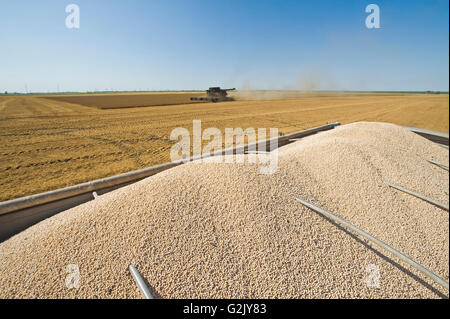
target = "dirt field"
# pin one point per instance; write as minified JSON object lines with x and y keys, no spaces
{"x":46,"y":144}
{"x":125,"y":100}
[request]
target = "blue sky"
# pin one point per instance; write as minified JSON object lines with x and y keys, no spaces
{"x":248,"y":44}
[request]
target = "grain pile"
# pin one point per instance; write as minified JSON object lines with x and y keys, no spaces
{"x":223,"y":230}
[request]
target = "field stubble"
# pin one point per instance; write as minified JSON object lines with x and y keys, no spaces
{"x":48,"y":143}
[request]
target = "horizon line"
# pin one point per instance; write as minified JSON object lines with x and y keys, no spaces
{"x":242,"y":90}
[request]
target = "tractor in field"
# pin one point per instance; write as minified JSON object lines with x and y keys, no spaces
{"x":215,"y":94}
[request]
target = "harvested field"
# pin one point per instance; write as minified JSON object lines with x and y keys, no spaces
{"x":47,"y":144}
{"x":245,"y":236}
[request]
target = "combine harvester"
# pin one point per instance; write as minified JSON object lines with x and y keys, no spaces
{"x":215,"y":94}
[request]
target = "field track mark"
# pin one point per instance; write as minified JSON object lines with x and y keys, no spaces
{"x":3,"y":105}
{"x":122,"y":147}
{"x":134,"y":155}
{"x":65,"y":160}
{"x":55,"y":148}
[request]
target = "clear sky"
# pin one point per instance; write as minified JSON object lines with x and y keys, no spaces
{"x":247,"y":44}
